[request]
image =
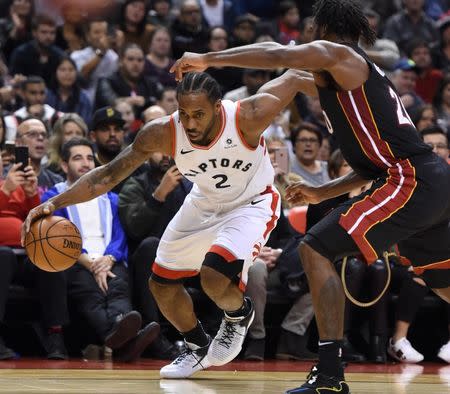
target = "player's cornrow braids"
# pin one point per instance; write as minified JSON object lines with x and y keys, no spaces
{"x":345,"y":18}
{"x":195,"y":82}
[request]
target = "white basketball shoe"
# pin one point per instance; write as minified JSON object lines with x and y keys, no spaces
{"x":228,"y":341}
{"x":192,"y":360}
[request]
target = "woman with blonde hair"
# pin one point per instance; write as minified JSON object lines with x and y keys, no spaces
{"x":68,"y":126}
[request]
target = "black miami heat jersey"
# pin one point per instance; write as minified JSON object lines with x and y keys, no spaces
{"x":371,"y":125}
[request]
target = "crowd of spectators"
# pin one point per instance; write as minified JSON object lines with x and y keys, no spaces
{"x":76,"y":85}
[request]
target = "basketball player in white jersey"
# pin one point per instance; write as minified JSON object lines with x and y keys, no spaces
{"x":224,"y":221}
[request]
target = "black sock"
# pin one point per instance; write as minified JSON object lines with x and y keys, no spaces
{"x":330,"y":353}
{"x":244,"y":310}
{"x":197,"y":335}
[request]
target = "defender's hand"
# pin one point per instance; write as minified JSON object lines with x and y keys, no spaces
{"x":44,"y":209}
{"x":302,"y":193}
{"x":188,"y":62}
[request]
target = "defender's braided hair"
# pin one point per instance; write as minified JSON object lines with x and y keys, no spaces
{"x":345,"y":18}
{"x":195,"y":82}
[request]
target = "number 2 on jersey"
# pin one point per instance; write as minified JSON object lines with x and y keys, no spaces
{"x":402,"y":115}
{"x":221,"y":184}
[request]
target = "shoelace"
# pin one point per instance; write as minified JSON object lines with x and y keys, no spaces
{"x":228,"y":334}
{"x":312,"y":376}
{"x":183,"y":356}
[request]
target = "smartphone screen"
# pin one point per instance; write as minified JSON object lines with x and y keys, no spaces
{"x":282,"y":159}
{"x":21,"y":156}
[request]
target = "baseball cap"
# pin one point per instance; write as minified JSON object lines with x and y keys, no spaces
{"x":406,"y":65}
{"x":106,"y":115}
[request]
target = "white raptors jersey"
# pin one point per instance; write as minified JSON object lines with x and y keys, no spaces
{"x":228,"y":172}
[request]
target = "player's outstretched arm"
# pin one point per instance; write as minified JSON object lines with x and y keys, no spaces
{"x":257,"y":112}
{"x":347,"y":67}
{"x":154,"y":137}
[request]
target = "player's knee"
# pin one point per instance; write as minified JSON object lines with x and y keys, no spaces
{"x":213,"y":282}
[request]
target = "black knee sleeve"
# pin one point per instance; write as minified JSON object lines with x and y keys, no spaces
{"x":230,"y":269}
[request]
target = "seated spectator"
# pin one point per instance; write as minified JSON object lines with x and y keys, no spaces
{"x":128,"y":83}
{"x":160,"y":14}
{"x":441,"y":50}
{"x":33,"y":134}
{"x":428,"y":78}
{"x":306,"y":142}
{"x":442,"y":103}
{"x":147,"y":203}
{"x":96,"y":60}
{"x":158,"y":60}
{"x":252,"y":79}
{"x":229,"y":78}
{"x":69,"y":35}
{"x":66,"y":127}
{"x":404,"y":79}
{"x":244,"y":31}
{"x":15,"y":30}
{"x":108,"y":136}
{"x":425,"y":116}
{"x":153,"y":112}
{"x":65,"y":94}
{"x":167,"y":99}
{"x":437,"y":138}
{"x":98,"y":282}
{"x":133,"y":23}
{"x":218,"y":13}
{"x":288,"y":23}
{"x":38,"y":56}
{"x":19,"y":194}
{"x":132,"y":124}
{"x":33,"y":90}
{"x":383,"y":52}
{"x":410,"y":23}
{"x":189,"y":32}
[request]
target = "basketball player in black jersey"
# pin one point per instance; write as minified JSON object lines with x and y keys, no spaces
{"x":409,"y":202}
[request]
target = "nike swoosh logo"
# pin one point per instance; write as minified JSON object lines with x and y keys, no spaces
{"x":256,"y":202}
{"x":183,"y":152}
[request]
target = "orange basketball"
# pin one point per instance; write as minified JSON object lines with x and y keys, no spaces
{"x":53,"y":243}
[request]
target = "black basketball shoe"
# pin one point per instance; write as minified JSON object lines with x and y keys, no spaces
{"x":317,"y":382}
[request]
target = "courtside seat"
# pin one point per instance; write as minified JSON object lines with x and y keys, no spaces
{"x":297,"y":218}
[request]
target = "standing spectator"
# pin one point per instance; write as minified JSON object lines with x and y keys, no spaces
{"x":16,"y":29}
{"x":38,"y":56}
{"x":218,"y":13}
{"x":98,"y":59}
{"x":383,"y":52}
{"x":19,"y":194}
{"x":33,"y":134}
{"x":33,"y":90}
{"x":229,"y":78}
{"x":158,"y":61}
{"x":98,"y":282}
{"x":128,"y":83}
{"x":428,"y":78}
{"x":306,"y":141}
{"x":168,"y":100}
{"x":68,"y":126}
{"x":65,"y":94}
{"x":411,"y":22}
{"x":133,"y":23}
{"x":189,"y":33}
{"x":288,"y":22}
{"x":442,"y":102}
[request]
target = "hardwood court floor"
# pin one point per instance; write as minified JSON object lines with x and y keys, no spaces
{"x":77,"y":377}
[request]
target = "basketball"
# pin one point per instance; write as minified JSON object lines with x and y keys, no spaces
{"x":53,"y":243}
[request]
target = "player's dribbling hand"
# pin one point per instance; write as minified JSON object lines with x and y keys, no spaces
{"x":302,"y":193}
{"x":188,"y":62}
{"x":44,"y":209}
